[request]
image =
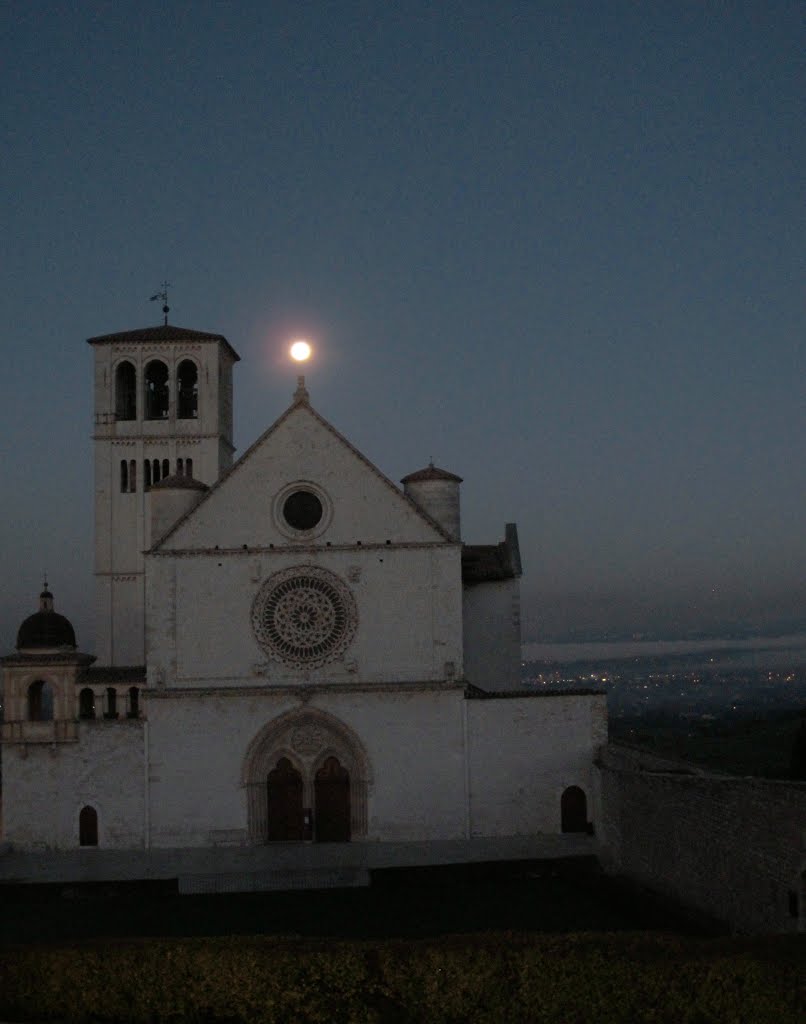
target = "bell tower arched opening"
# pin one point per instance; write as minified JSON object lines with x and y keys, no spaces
{"x":187,"y":390}
{"x":157,"y":391}
{"x":125,"y":391}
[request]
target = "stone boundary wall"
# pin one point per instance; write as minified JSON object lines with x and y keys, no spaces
{"x":732,"y":848}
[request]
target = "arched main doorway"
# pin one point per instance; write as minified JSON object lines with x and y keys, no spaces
{"x":331,"y":813}
{"x":306,"y":775}
{"x":284,"y":800}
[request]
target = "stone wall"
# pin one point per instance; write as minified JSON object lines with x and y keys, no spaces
{"x":732,"y":848}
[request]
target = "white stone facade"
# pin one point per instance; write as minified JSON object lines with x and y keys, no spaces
{"x":294,"y":651}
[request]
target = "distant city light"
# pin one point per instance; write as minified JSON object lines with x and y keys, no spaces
{"x":300,"y":350}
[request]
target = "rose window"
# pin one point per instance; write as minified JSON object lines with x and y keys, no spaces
{"x":304,"y":616}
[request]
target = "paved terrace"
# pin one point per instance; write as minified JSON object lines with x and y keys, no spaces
{"x":279,"y":865}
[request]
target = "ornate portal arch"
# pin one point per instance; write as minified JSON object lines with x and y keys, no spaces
{"x":306,"y":737}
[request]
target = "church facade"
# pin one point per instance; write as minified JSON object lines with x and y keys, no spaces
{"x":290,"y":647}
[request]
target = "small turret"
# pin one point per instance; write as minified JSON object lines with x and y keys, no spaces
{"x":170,"y":499}
{"x":436,"y":491}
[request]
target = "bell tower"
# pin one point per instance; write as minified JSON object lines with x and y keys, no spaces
{"x":163,"y":407}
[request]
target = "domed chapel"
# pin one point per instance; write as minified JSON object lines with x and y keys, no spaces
{"x":291,"y":651}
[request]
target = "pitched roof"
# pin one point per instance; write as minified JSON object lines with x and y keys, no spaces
{"x":163,"y":332}
{"x":486,"y":563}
{"x":301,"y":402}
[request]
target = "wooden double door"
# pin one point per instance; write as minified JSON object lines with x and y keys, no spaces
{"x":331,"y":799}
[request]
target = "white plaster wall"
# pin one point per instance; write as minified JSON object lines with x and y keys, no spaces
{"x":408,"y":602}
{"x":45,"y":787}
{"x":524,"y":752}
{"x":492,"y":634}
{"x":413,"y":742}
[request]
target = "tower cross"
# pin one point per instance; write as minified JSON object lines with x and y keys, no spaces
{"x":164,"y":296}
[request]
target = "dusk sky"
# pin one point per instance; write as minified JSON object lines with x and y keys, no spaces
{"x":558,"y":247}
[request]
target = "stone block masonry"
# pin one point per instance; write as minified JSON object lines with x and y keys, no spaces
{"x":732,"y":848}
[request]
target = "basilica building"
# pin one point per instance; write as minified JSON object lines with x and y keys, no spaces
{"x":291,"y":648}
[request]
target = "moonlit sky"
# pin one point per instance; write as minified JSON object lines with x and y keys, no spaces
{"x":558,"y":247}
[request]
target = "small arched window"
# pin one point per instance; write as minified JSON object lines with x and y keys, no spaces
{"x":166,"y":468}
{"x":125,"y":391}
{"x":111,"y":703}
{"x":180,"y":466}
{"x":155,"y":471}
{"x":188,"y":467}
{"x":88,"y":827}
{"x":146,"y":473}
{"x":40,"y":701}
{"x":574,"y":810}
{"x":156,"y":390}
{"x":132,"y":476}
{"x":134,"y":703}
{"x":124,"y":476}
{"x":187,"y":390}
{"x":86,"y":703}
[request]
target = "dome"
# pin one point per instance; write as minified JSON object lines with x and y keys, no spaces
{"x":46,"y":628}
{"x":431,"y":472}
{"x":178,"y":481}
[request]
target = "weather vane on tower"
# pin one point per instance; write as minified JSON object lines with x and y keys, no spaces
{"x":164,"y":296}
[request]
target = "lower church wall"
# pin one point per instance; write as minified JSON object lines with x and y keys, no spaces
{"x":45,"y":786}
{"x":525,"y":752}
{"x":413,"y":745}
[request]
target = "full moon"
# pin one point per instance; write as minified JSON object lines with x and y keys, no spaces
{"x":300,"y":351}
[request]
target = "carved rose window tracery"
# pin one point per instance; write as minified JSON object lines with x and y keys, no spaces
{"x":304,"y":616}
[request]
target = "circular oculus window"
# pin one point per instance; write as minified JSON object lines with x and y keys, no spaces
{"x":302,"y":510}
{"x":304,"y":616}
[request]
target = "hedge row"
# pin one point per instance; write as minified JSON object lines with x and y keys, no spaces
{"x":464,"y":980}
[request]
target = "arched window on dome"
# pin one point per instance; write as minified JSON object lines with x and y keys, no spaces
{"x":134,"y":703}
{"x":187,"y":390}
{"x":132,"y":476}
{"x":180,"y":467}
{"x":40,"y":701}
{"x":146,"y":473}
{"x":156,"y":390}
{"x":155,"y":471}
{"x":125,"y":391}
{"x":124,"y":476}
{"x":166,"y":468}
{"x":88,"y":827}
{"x":188,"y":467}
{"x":86,"y":703}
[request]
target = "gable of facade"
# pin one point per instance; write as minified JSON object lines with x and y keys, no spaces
{"x":301,"y":452}
{"x":304,"y":563}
